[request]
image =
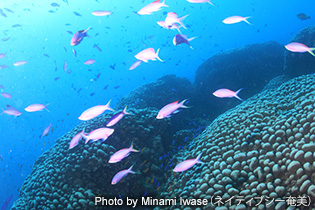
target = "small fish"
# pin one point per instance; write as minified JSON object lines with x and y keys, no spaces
{"x":116,"y":87}
{"x":236,"y":19}
{"x":117,"y":117}
{"x":121,"y":154}
{"x":8,"y":10}
{"x":2,"y":55}
{"x":5,"y":39}
{"x":148,"y":54}
{"x":46,"y":131}
{"x":11,"y":111}
{"x":78,"y":36}
{"x":6,"y":95}
{"x":89,"y":62}
{"x":200,"y":1}
{"x":56,"y":78}
{"x":69,"y":32}
{"x":54,"y":4}
{"x":74,"y":53}
{"x":135,"y":65}
{"x":152,"y":7}
{"x":36,"y":107}
{"x":303,"y":16}
{"x":180,"y":39}
{"x":113,"y":66}
{"x":187,"y":164}
{"x":298,"y":47}
{"x":19,"y":63}
{"x":77,"y":14}
{"x":65,"y":66}
{"x":96,"y":46}
{"x":171,"y":108}
{"x":3,"y":66}
{"x":226,"y":93}
{"x":46,"y":55}
{"x":95,"y":111}
{"x":16,"y":25}
{"x":75,"y":140}
{"x":100,"y":133}
{"x":1,"y":157}
{"x":6,"y":203}
{"x":101,"y":13}
{"x":121,"y":174}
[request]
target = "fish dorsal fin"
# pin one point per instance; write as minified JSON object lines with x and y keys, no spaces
{"x":175,"y":102}
{"x":157,"y":1}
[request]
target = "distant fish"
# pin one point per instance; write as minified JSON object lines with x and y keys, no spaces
{"x":112,"y":66}
{"x":46,"y":55}
{"x":180,"y":39}
{"x":200,"y":1}
{"x":152,"y":7}
{"x":117,"y":117}
{"x":19,"y":63}
{"x":78,"y":36}
{"x":236,"y":19}
{"x":303,"y":16}
{"x":95,"y":46}
{"x":6,"y":203}
{"x":5,"y":39}
{"x":11,"y":111}
{"x":46,"y":130}
{"x":121,"y":154}
{"x":170,"y":109}
{"x":135,"y":65}
{"x":69,"y":32}
{"x":65,"y":66}
{"x":16,"y":25}
{"x":77,"y":14}
{"x":1,"y":87}
{"x":89,"y":62}
{"x":75,"y":140}
{"x":74,"y":53}
{"x":101,"y":13}
{"x":226,"y":93}
{"x":6,"y":95}
{"x":56,"y":78}
{"x":187,"y":164}
{"x":8,"y":10}
{"x":100,"y":133}
{"x":97,"y":76}
{"x":1,"y":157}
{"x":94,"y":111}
{"x":116,"y":87}
{"x":54,"y":4}
{"x":3,"y":66}
{"x":2,"y":55}
{"x":121,"y":174}
{"x":51,"y":11}
{"x":298,"y":47}
{"x":36,"y":107}
{"x":148,"y":54}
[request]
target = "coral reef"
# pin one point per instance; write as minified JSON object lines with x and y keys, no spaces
{"x":250,"y":67}
{"x":261,"y":148}
{"x":301,"y":63}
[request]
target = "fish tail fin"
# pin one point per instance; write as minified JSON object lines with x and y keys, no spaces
{"x":157,"y":55}
{"x":46,"y":108}
{"x":164,"y":5}
{"x":108,"y":106}
{"x":311,"y":51}
{"x":236,"y":94}
{"x":198,"y":159}
{"x":2,"y":111}
{"x":131,"y":171}
{"x":182,"y":104}
{"x":181,"y":19}
{"x":86,"y":30}
{"x":125,"y":110}
{"x":135,"y":12}
{"x":192,"y":38}
{"x":246,"y":21}
{"x":132,"y":149}
{"x":210,"y":3}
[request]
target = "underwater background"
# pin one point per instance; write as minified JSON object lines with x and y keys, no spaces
{"x":39,"y":32}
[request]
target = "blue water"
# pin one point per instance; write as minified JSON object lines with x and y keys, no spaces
{"x":120,"y":36}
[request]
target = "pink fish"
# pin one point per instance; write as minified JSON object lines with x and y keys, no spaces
{"x":101,"y":13}
{"x":75,"y":140}
{"x":46,"y":131}
{"x":298,"y":47}
{"x":95,"y":111}
{"x":36,"y":107}
{"x":89,"y":62}
{"x":100,"y":133}
{"x":2,"y":55}
{"x":173,"y":18}
{"x":180,"y":39}
{"x":148,"y":54}
{"x":19,"y":63}
{"x":173,"y":26}
{"x":226,"y":93}
{"x":78,"y":36}
{"x":6,"y":95}
{"x":115,"y":119}
{"x":187,"y":164}
{"x":135,"y":65}
{"x":122,"y":174}
{"x":171,"y":108}
{"x":200,"y":1}
{"x":121,"y":154}
{"x":236,"y":19}
{"x":152,"y":7}
{"x":11,"y":111}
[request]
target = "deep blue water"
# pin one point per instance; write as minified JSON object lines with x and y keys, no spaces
{"x":119,"y":36}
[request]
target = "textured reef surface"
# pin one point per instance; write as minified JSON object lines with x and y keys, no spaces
{"x":301,"y":63}
{"x":261,"y":148}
